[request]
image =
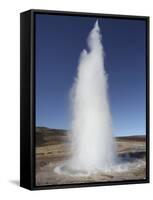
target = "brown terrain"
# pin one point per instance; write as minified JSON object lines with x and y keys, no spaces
{"x":53,"y":149}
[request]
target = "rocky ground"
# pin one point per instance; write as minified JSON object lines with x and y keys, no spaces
{"x":52,"y":149}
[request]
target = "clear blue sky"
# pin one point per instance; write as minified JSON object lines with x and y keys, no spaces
{"x":59,"y":41}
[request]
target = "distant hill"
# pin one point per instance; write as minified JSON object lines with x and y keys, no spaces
{"x":48,"y":136}
{"x":132,"y":137}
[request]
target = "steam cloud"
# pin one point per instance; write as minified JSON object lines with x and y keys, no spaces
{"x":92,"y":141}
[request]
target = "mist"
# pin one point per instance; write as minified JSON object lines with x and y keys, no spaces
{"x":92,"y":141}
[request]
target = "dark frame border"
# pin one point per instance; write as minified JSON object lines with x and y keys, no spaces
{"x":27,"y":89}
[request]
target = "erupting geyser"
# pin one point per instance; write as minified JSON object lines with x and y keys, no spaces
{"x":92,"y":140}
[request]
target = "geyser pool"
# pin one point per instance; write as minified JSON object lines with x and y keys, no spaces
{"x":92,"y":141}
